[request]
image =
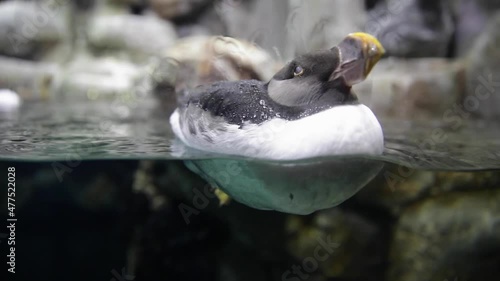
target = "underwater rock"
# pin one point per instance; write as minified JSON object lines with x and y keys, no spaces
{"x":168,"y":248}
{"x":450,"y":237}
{"x":483,"y":68}
{"x":29,"y":29}
{"x":343,"y":244}
{"x":146,"y":35}
{"x":396,"y":187}
{"x":414,"y":28}
{"x":413,"y":89}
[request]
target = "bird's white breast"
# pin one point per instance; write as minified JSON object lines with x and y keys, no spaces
{"x":341,"y":130}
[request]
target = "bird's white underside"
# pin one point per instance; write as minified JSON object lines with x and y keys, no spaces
{"x":341,"y":130}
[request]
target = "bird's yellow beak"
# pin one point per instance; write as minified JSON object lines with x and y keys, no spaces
{"x":358,"y":53}
{"x":372,"y":49}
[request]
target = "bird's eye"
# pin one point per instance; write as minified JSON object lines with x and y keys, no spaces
{"x":298,"y":71}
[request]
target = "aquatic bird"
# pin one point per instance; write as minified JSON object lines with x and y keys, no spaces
{"x":306,"y":110}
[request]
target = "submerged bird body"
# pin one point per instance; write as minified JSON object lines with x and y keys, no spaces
{"x":307,"y":110}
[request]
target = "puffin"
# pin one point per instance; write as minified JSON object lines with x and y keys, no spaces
{"x":307,"y":110}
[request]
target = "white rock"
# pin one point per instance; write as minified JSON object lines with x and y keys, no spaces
{"x":26,"y":27}
{"x":9,"y":100}
{"x":143,"y":34}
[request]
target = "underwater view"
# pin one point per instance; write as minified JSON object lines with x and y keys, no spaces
{"x":322,"y":140}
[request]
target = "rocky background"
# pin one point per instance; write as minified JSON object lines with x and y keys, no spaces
{"x":440,"y":53}
{"x":147,"y":220}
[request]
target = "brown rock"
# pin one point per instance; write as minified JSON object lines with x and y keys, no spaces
{"x":413,"y":89}
{"x":450,"y":237}
{"x":357,"y":244}
{"x":172,"y":9}
{"x":397,"y":187}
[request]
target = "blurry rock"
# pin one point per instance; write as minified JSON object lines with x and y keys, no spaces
{"x":206,"y":59}
{"x":413,"y":89}
{"x":483,"y":73}
{"x":106,"y":78}
{"x":451,"y":237}
{"x":322,"y":24}
{"x":463,"y":181}
{"x":342,"y":244}
{"x":168,"y":247}
{"x":472,"y":17}
{"x":209,"y":22}
{"x":28,"y":29}
{"x":147,"y":35}
{"x":202,"y":60}
{"x":191,"y":17}
{"x":261,"y":22}
{"x":221,"y":58}
{"x":396,"y":187}
{"x":176,"y":9}
{"x":31,"y":80}
{"x":160,"y":181}
{"x":413,"y":28}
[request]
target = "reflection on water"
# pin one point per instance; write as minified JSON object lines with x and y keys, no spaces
{"x":50,"y":131}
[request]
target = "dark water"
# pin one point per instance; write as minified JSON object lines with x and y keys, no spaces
{"x":49,"y":131}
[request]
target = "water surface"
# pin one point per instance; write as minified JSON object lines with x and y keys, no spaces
{"x":51,"y":131}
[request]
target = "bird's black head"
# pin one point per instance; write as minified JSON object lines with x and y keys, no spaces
{"x":326,"y":75}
